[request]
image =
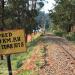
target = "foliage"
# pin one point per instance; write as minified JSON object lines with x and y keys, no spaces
{"x":38,"y":63}
{"x":63,"y":14}
{"x":59,"y":33}
{"x":19,"y":14}
{"x":70,"y":36}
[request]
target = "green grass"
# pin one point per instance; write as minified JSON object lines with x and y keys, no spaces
{"x":19,"y":58}
{"x":27,"y":72}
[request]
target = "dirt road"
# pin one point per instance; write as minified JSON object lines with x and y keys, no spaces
{"x":60,"y":56}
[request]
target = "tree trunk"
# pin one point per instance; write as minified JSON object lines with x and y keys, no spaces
{"x":26,"y":36}
{"x":3,"y":25}
{"x":2,"y":1}
{"x":69,"y":28}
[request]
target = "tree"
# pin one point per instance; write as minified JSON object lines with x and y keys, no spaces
{"x":2,"y":13}
{"x":63,"y":14}
{"x":20,"y":14}
{"x":2,"y":17}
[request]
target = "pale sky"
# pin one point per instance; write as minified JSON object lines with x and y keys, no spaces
{"x":48,"y":6}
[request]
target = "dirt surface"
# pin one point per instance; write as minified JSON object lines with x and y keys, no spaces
{"x":59,"y":57}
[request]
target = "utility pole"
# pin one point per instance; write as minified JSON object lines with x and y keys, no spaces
{"x":43,"y":23}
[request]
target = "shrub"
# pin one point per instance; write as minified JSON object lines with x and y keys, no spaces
{"x":59,"y":33}
{"x":71,"y":36}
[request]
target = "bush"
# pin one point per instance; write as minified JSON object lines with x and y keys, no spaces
{"x":71,"y":36}
{"x":58,"y":33}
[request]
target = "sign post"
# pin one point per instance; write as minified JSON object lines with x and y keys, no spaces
{"x":9,"y":65}
{"x":11,"y":42}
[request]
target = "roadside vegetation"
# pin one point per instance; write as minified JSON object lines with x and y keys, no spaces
{"x":69,"y":36}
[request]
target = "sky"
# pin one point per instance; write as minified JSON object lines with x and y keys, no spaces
{"x":48,"y":6}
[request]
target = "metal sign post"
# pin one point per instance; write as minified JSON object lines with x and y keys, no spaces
{"x":9,"y":65}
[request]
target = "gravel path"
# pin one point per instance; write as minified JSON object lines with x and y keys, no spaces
{"x":60,"y":56}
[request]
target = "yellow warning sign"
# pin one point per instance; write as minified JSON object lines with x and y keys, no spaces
{"x":12,"y":41}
